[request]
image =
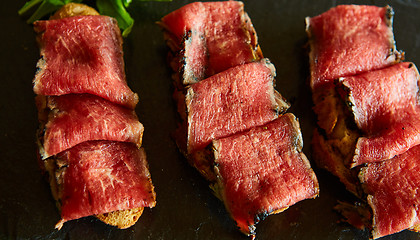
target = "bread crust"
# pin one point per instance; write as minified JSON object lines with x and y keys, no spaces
{"x":122,"y":219}
{"x":72,"y":10}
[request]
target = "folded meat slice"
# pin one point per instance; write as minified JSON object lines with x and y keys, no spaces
{"x":350,"y":39}
{"x":82,"y":54}
{"x":394,"y":140}
{"x":379,"y":98}
{"x":385,"y":105}
{"x":393,"y":192}
{"x":231,"y":101}
{"x":98,"y":177}
{"x":208,"y":38}
{"x":263,"y":171}
{"x":76,"y":118}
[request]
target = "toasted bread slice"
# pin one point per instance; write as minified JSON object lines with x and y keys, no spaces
{"x":334,"y":142}
{"x":74,"y":9}
{"x":123,"y":218}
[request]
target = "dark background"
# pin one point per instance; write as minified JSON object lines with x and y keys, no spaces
{"x":185,"y":209}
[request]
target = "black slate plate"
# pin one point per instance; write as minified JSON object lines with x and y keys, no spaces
{"x":186,"y":208}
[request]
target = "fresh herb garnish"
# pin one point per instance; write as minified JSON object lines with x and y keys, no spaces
{"x":45,"y":7}
{"x":113,"y":8}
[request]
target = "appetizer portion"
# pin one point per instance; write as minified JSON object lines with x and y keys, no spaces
{"x":228,"y":108}
{"x":82,"y":54}
{"x":368,"y":115}
{"x":76,"y":118}
{"x":263,"y":171}
{"x":350,"y":39}
{"x":90,"y":136}
{"x":209,"y":37}
{"x":98,"y":177}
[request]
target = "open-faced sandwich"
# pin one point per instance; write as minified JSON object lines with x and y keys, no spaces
{"x":234,"y":129}
{"x":90,"y":137}
{"x":367,"y":103}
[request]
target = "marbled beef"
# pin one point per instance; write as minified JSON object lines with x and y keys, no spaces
{"x":76,"y":118}
{"x":98,"y":177}
{"x":350,"y":39}
{"x":263,"y":171}
{"x":393,"y":192}
{"x":82,"y":54}
{"x":232,"y":101}
{"x":210,"y":37}
{"x":385,"y":105}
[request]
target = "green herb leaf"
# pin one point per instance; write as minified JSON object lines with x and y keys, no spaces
{"x":28,"y":5}
{"x":45,"y":8}
{"x":126,"y":3}
{"x":113,"y":8}
{"x":116,"y":9}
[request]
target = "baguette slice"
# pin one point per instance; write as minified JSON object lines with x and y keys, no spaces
{"x":121,"y":218}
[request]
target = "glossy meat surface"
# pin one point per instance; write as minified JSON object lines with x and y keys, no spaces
{"x":263,"y":171}
{"x":350,"y":39}
{"x":393,"y":192}
{"x":103,"y":176}
{"x":82,"y":55}
{"x":229,"y":102}
{"x":215,"y":36}
{"x":76,"y":118}
{"x":385,"y":105}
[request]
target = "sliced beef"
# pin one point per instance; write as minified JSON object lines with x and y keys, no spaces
{"x":214,"y":36}
{"x":350,"y":39}
{"x":393,"y":192}
{"x":76,"y":118}
{"x":263,"y":171}
{"x":385,"y":105}
{"x":380,"y":98}
{"x":394,"y":140}
{"x":98,"y":177}
{"x":231,"y":101}
{"x":82,"y":54}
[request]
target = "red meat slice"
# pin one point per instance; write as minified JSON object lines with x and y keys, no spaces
{"x":98,"y":177}
{"x":350,"y":39}
{"x":386,"y":108}
{"x":263,"y":171}
{"x":215,"y":37}
{"x":82,"y":54}
{"x":231,"y":101}
{"x":392,"y":141}
{"x":77,"y":118}
{"x":393,"y":192}
{"x":379,"y":98}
